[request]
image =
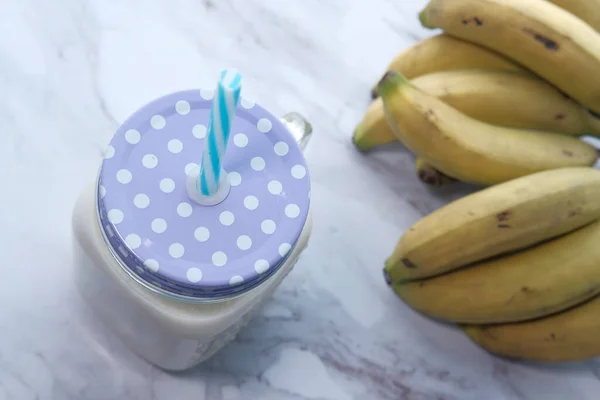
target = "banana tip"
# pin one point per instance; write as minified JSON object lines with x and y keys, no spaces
{"x":374,"y":93}
{"x":423,"y":19}
{"x":360,"y":140}
{"x":387,"y":277}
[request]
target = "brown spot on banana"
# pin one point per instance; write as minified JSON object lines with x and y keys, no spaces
{"x":502,"y":226}
{"x":547,"y":42}
{"x":408,"y":264}
{"x":567,"y":153}
{"x":504,"y":216}
{"x":477,"y":21}
{"x":560,"y":117}
{"x":575,"y":212}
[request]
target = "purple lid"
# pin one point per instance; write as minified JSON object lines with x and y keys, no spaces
{"x":176,"y":245}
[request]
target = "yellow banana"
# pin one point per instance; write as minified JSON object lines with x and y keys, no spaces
{"x":504,"y":98}
{"x":444,"y":53}
{"x":543,"y":37}
{"x":497,"y":220}
{"x":470,"y":150}
{"x":587,"y":10}
{"x":429,"y":175}
{"x":532,"y":283}
{"x":571,"y":335}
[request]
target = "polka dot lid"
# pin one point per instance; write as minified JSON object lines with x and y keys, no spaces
{"x":172,"y":243}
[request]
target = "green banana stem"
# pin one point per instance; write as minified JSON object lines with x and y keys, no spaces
{"x":390,"y":81}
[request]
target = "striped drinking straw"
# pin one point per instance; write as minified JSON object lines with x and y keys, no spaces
{"x":222,"y":114}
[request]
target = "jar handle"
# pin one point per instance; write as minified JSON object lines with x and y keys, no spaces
{"x":299,"y":128}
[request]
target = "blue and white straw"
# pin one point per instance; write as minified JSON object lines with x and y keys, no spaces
{"x":222,"y":114}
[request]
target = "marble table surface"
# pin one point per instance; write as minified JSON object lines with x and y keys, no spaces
{"x":72,"y":70}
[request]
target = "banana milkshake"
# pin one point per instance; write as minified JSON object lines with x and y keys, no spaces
{"x":176,"y":272}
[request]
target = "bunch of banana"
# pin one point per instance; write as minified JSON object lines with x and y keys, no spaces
{"x":446,"y":53}
{"x":500,"y":258}
{"x":501,"y":99}
{"x":468,"y":149}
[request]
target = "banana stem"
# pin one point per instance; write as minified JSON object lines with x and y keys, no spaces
{"x":390,"y":81}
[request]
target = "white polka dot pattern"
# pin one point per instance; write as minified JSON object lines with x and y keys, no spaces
{"x":275,"y":187}
{"x":264,"y":125}
{"x":226,"y":218}
{"x":116,"y":216}
{"x":133,"y":241}
{"x":109,"y":153}
{"x":159,"y":225}
{"x":244,"y":242}
{"x":167,"y":185}
{"x":199,"y":131}
{"x":194,"y":274}
{"x":284,"y":248}
{"x":281,"y":148}
{"x":202,"y":234}
{"x":182,"y":107}
{"x":175,"y":146}
{"x":141,"y":200}
{"x":257,"y":163}
{"x":172,"y":242}
{"x":184,"y":210}
{"x":176,"y":250}
{"x":261,"y":266}
{"x":235,"y":178}
{"x":124,"y":176}
{"x":149,"y":161}
{"x":298,"y":171}
{"x":251,"y":202}
{"x":158,"y":122}
{"x":292,"y":210}
{"x":151,"y":264}
{"x":132,"y":136}
{"x":219,"y":258}
{"x":268,"y":226}
{"x":240,"y":140}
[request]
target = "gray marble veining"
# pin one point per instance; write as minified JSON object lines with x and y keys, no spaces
{"x":71,"y":71}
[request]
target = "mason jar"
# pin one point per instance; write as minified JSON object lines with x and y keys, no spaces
{"x":173,"y":279}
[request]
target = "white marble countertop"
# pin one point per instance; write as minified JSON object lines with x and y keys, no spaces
{"x":72,"y":70}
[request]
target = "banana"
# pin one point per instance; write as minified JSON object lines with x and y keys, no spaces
{"x":373,"y":130}
{"x":444,"y":53}
{"x":532,"y":283}
{"x":429,"y":175}
{"x":539,"y":35}
{"x":505,"y":98}
{"x":586,"y":10}
{"x":470,"y":150}
{"x":571,"y":335}
{"x":496,"y":220}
